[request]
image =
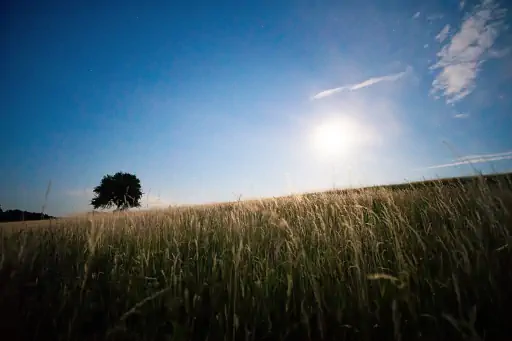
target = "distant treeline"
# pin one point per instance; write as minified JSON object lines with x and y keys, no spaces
{"x":18,"y":215}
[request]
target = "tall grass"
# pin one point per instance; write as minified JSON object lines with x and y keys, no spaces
{"x":429,"y":263}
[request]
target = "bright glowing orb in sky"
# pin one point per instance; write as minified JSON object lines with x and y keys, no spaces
{"x":335,"y":137}
{"x":328,"y":138}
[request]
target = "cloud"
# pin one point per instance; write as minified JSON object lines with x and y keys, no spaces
{"x":461,"y":58}
{"x":441,"y":36}
{"x":461,"y":115}
{"x":462,"y":4}
{"x":472,"y":159}
{"x":479,"y":156}
{"x":416,"y":15}
{"x":363,"y":84}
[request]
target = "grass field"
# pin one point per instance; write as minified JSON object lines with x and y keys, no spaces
{"x":414,"y":262}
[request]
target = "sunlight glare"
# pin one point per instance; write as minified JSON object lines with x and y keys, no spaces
{"x":336,"y":137}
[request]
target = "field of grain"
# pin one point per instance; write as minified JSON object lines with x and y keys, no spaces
{"x":406,"y":263}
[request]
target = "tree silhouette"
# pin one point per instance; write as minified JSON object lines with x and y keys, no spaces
{"x":122,"y":190}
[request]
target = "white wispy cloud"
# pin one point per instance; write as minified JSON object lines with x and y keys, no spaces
{"x":472,"y":159}
{"x":462,"y":3}
{"x":416,"y":15}
{"x":443,"y":34}
{"x":363,"y":84}
{"x":461,"y":115}
{"x":461,"y":58}
{"x":479,"y":156}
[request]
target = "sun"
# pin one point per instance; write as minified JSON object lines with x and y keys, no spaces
{"x":328,"y":139}
{"x":335,"y":137}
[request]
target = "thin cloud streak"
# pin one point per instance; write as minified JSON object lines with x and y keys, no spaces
{"x":443,"y":34}
{"x":479,"y":156}
{"x":472,"y":159}
{"x":363,"y":84}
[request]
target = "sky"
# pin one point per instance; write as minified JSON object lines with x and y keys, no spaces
{"x":214,"y":101}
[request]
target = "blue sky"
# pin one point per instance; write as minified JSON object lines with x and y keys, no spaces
{"x":205,"y":102}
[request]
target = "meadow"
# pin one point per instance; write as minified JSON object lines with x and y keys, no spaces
{"x":427,"y":261}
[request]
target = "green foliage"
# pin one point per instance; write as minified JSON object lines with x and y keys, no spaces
{"x":379,"y":264}
{"x":122,"y":190}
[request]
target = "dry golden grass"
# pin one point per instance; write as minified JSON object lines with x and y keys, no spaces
{"x":425,"y":263}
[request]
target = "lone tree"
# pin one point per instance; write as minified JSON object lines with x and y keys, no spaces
{"x":122,"y":190}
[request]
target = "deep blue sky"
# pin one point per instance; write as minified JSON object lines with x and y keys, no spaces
{"x":205,"y":100}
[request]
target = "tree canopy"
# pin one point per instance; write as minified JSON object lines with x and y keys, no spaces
{"x":122,"y":190}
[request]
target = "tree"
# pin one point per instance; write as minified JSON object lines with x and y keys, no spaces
{"x":122,"y":190}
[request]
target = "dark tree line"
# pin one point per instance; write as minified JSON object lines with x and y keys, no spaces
{"x":19,"y":215}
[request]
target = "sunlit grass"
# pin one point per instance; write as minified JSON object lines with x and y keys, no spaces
{"x":425,"y":263}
